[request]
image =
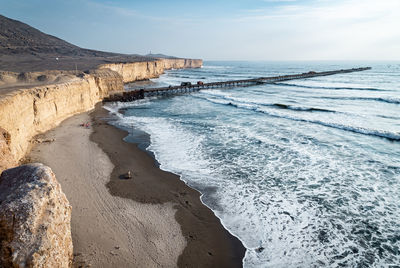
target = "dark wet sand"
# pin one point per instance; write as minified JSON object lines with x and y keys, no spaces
{"x":208,"y":243}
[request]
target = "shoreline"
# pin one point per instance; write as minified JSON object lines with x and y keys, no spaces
{"x":106,"y":230}
{"x":208,"y":242}
{"x":151,"y":220}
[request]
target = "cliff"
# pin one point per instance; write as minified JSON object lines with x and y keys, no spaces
{"x":30,"y":111}
{"x":137,"y":71}
{"x":181,"y":63}
{"x":35,"y":216}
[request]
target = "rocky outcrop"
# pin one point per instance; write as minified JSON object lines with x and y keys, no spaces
{"x":35,"y":219}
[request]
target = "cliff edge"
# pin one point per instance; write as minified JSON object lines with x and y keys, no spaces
{"x":28,"y":111}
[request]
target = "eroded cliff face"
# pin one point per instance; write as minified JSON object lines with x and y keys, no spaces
{"x":26,"y":113}
{"x":30,"y":111}
{"x":181,"y":63}
{"x":137,"y":71}
{"x":35,"y":219}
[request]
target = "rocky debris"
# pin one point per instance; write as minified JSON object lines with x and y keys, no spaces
{"x":6,"y":158}
{"x":43,"y":140}
{"x":35,"y":215}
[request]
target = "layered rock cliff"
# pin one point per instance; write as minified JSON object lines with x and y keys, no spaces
{"x":181,"y":63}
{"x":137,"y":71}
{"x":35,"y":216}
{"x":30,"y":111}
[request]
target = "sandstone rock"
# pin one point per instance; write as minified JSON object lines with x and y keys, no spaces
{"x":35,"y":217}
{"x":135,"y":71}
{"x":181,"y":63}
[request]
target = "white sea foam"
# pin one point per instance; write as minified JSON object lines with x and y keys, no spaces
{"x":297,"y":194}
{"x":258,"y":106}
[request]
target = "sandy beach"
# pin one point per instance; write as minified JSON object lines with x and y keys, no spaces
{"x":151,"y":220}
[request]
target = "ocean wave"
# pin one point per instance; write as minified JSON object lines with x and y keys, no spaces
{"x":303,"y":109}
{"x":333,"y":88}
{"x":360,"y":130}
{"x":216,"y":67}
{"x":180,"y":76}
{"x":241,"y":102}
{"x":379,"y":99}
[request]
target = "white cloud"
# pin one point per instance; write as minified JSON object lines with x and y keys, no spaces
{"x":346,"y":29}
{"x":287,"y":30}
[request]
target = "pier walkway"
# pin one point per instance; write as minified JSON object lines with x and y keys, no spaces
{"x":171,"y":90}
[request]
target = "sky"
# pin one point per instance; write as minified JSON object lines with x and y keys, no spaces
{"x":222,"y":29}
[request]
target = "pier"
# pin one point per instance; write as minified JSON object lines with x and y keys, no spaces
{"x":188,"y":87}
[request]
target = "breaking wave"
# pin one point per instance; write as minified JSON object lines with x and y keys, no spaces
{"x":380,"y":99}
{"x":371,"y":132}
{"x":331,"y":88}
{"x":234,"y":101}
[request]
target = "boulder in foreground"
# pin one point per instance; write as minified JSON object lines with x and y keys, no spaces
{"x":35,"y":215}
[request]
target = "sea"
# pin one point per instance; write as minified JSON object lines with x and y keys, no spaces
{"x":306,"y":173}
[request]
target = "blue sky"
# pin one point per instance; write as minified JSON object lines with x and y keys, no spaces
{"x":222,"y":29}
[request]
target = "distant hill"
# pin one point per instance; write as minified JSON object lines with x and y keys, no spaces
{"x":24,"y":48}
{"x":19,"y":38}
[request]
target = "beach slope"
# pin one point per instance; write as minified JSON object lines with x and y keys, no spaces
{"x":106,"y":230}
{"x":151,"y":220}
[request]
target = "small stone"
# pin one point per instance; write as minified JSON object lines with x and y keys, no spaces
{"x":260,"y":249}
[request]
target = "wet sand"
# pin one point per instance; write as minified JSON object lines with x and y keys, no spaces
{"x":208,"y":243}
{"x":151,"y":220}
{"x":107,"y":231}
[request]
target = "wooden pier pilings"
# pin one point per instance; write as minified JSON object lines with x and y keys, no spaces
{"x":170,"y":90}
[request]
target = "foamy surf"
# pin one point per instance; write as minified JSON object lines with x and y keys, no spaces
{"x":302,"y":180}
